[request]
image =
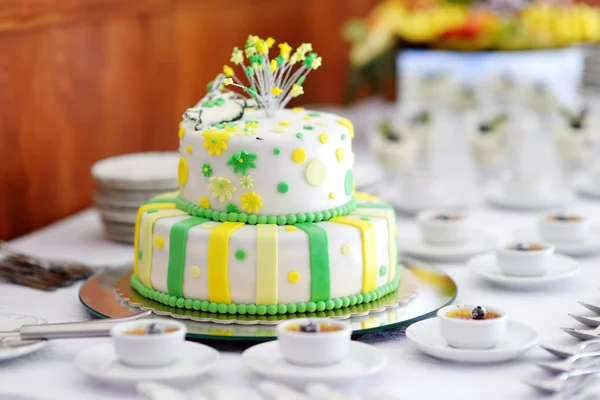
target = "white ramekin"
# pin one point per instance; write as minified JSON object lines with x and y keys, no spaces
{"x":472,"y":334}
{"x":314,"y":348}
{"x":148,"y":350}
{"x":524,"y":263}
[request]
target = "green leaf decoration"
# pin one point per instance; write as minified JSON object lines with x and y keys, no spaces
{"x":219,"y":102}
{"x":242,"y":161}
{"x":231,"y":208}
{"x":308,"y":60}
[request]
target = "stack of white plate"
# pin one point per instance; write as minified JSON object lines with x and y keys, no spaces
{"x":124,"y":183}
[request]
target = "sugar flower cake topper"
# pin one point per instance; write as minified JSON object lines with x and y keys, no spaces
{"x":272,"y":83}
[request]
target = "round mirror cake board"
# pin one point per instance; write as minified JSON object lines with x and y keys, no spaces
{"x":423,"y":290}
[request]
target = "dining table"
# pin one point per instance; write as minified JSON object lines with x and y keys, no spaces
{"x":51,"y":373}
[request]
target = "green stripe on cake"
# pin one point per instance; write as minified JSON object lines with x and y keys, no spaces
{"x":177,"y":250}
{"x":320,"y":275}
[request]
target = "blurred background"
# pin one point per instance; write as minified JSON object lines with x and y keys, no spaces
{"x":82,"y":80}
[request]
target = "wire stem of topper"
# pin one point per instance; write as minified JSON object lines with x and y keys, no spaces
{"x":272,"y":82}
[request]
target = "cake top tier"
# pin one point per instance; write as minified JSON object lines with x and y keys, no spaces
{"x":244,"y":157}
{"x":296,"y":163}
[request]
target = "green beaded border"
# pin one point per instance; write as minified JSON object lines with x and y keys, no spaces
{"x":273,"y":309}
{"x":253,"y":219}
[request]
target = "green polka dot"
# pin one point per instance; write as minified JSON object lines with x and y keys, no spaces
{"x":365,"y":218}
{"x":382,"y":270}
{"x":343,"y":136}
{"x":314,"y":114}
{"x":139,"y":254}
{"x":309,"y":127}
{"x":240,"y":254}
{"x":299,"y":135}
{"x":348,"y":182}
{"x":276,"y":151}
{"x":283,"y":187}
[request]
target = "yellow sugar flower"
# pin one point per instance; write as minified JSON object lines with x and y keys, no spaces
{"x":297,"y":90}
{"x":305,"y":47}
{"x":297,"y":56}
{"x":222,"y":188}
{"x":273,"y":65}
{"x":262,"y":47}
{"x":316,"y":63}
{"x":285,"y":50}
{"x":276,"y":91}
{"x":204,"y":202}
{"x":215,"y":141}
{"x":251,"y":202}
{"x":250,"y":51}
{"x":270,"y":42}
{"x":237,"y":56}
{"x":246,"y":181}
{"x":228,"y":71}
{"x":230,"y":127}
{"x":252,"y":39}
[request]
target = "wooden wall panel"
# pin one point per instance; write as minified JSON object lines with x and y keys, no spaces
{"x":81,"y":80}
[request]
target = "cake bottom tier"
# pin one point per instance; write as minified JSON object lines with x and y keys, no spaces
{"x":230,"y":267}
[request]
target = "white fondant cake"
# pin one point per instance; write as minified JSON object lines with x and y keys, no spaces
{"x":266,"y":220}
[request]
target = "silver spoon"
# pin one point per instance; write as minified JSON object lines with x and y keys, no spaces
{"x":562,"y":351}
{"x":591,"y":307}
{"x":592,"y":322}
{"x":563,"y":381}
{"x":583,"y":334}
{"x":569,"y":363}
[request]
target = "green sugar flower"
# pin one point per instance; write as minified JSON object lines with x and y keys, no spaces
{"x":231,"y":208}
{"x":206,"y":170}
{"x":242,"y":161}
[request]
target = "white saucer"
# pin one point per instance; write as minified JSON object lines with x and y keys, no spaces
{"x":101,"y":363}
{"x":583,"y":248}
{"x":426,"y":335}
{"x":586,"y":187}
{"x":266,"y":359}
{"x":486,"y":267}
{"x":12,"y":348}
{"x":414,"y":246}
{"x":558,"y":198}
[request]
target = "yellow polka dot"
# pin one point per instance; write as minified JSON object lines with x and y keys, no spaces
{"x":307,"y":118}
{"x":189,"y":149}
{"x":206,"y":226}
{"x":339,"y":154}
{"x":195,"y":271}
{"x":284,"y":123}
{"x":159,"y":242}
{"x":279,"y":130}
{"x":324,"y":138}
{"x":182,"y":171}
{"x":294,"y":277}
{"x":315,"y":173}
{"x":320,"y":123}
{"x":299,"y":155}
{"x":346,"y":249}
{"x":290,"y":228}
{"x":249,"y":109}
{"x":298,"y":109}
{"x":181,"y":132}
{"x":332,"y":195}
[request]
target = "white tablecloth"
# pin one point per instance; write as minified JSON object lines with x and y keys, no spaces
{"x":51,"y":373}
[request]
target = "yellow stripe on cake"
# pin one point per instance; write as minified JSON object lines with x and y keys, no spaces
{"x":136,"y":234}
{"x":148,"y":228}
{"x":365,"y":197}
{"x":389,"y":216}
{"x":266,"y":264}
{"x":369,"y":248}
{"x":218,"y":261}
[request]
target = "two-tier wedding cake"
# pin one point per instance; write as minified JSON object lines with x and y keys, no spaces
{"x":266,"y":219}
